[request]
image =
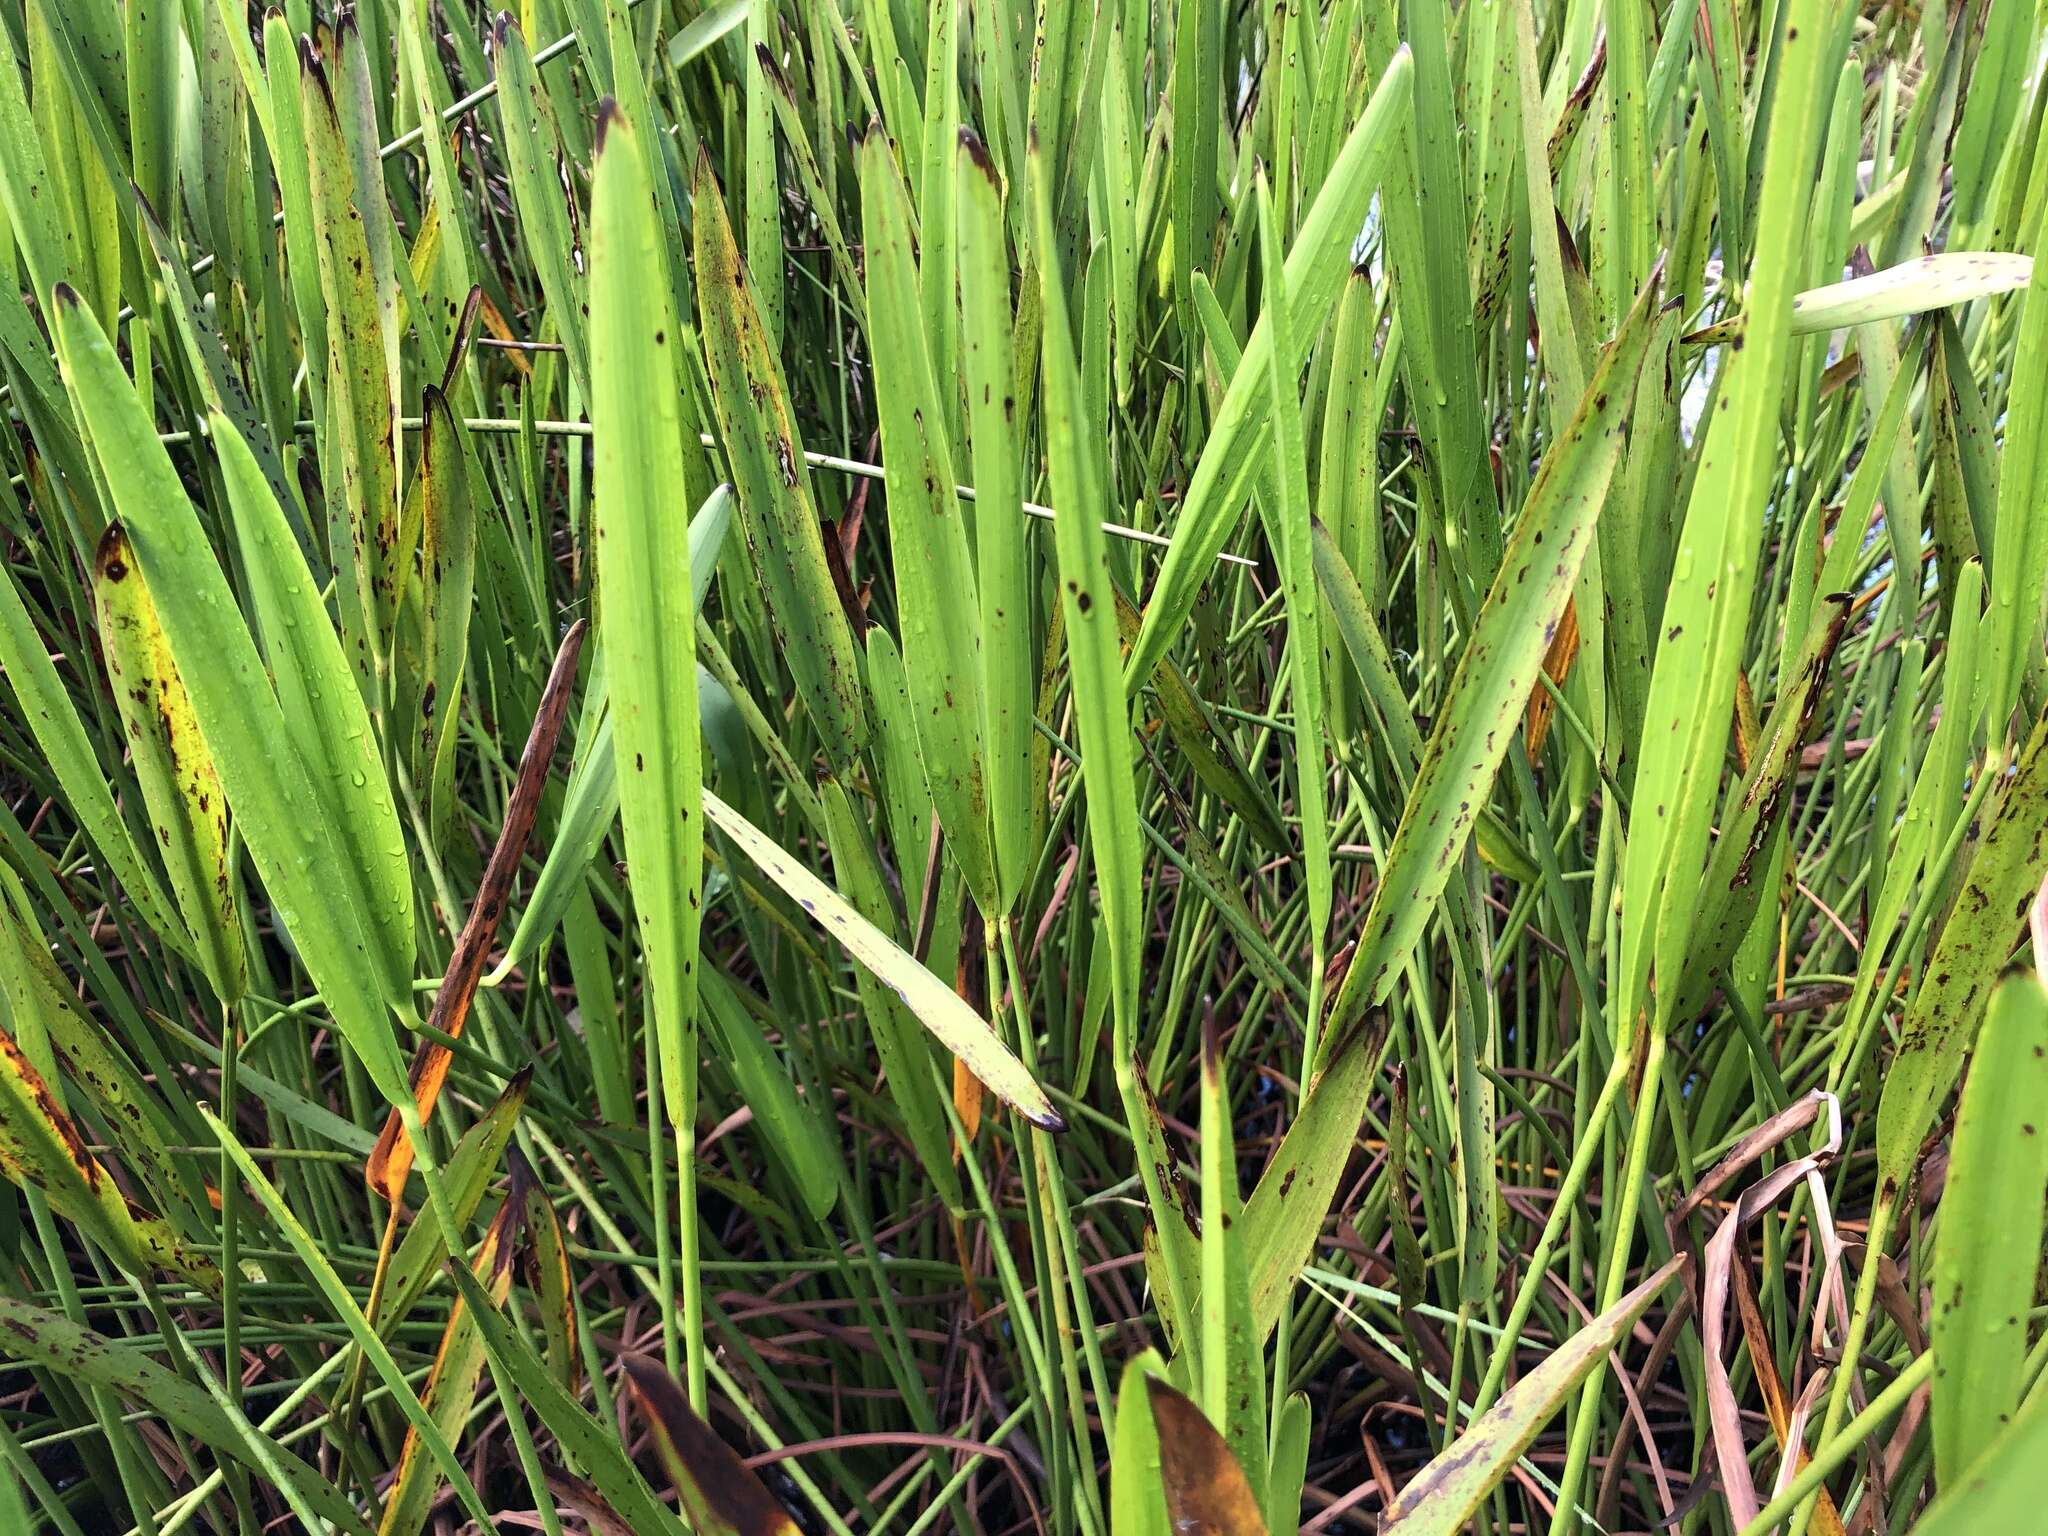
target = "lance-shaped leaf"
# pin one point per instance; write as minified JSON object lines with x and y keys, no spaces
{"x":646,"y":612}
{"x":1707,"y":611}
{"x":2019,"y":557}
{"x":533,"y":155}
{"x":1288,"y":516}
{"x":40,"y":1007}
{"x":937,"y":607}
{"x":1499,"y":666}
{"x":323,"y":715}
{"x":304,"y":864}
{"x":955,"y":1025}
{"x":361,"y":301}
{"x":179,"y":785}
{"x":1233,"y":1351}
{"x":1102,"y":712}
{"x":777,"y":510}
{"x":1137,"y":1497}
{"x":1982,"y":928}
{"x":434,"y":610}
{"x":719,"y":1495}
{"x":54,"y":725}
{"x":548,"y":1275}
{"x":41,"y":1148}
{"x":219,"y":384}
{"x":1987,"y":1247}
{"x":1439,"y":1501}
{"x":1291,"y":1201}
{"x":59,"y":1344}
{"x":285,"y":129}
{"x":1002,"y":550}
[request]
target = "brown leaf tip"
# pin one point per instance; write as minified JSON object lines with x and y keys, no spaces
{"x":772,"y":70}
{"x":111,"y":560}
{"x":313,"y":69}
{"x":607,"y":111}
{"x":970,"y":143}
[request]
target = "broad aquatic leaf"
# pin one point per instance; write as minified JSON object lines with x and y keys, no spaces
{"x":938,"y":610}
{"x":642,"y":433}
{"x":179,"y":785}
{"x":287,"y":828}
{"x":1987,"y":1245}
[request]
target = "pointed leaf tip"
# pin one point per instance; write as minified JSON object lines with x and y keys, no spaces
{"x":719,"y":1494}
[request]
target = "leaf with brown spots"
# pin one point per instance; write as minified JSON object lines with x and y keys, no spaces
{"x":643,"y":444}
{"x":55,"y":1342}
{"x":1511,"y":635}
{"x":41,"y":1147}
{"x":765,"y":456}
{"x":187,"y":809}
{"x":1987,"y":1242}
{"x":1985,"y":923}
{"x":1287,"y":1209}
{"x":359,"y":437}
